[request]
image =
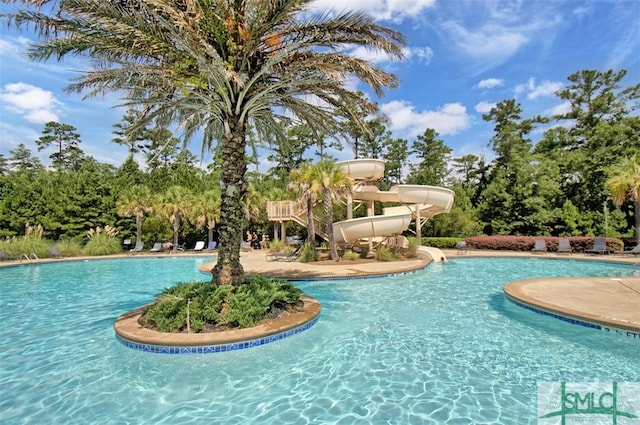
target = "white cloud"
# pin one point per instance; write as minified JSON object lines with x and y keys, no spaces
{"x":450,"y":119}
{"x":490,"y":83}
{"x":545,"y":88}
{"x":484,"y":107}
{"x":388,"y":10}
{"x":33,"y":103}
{"x":423,"y":54}
{"x":491,"y":42}
{"x":561,"y":109}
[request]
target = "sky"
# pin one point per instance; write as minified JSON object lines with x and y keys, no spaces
{"x":462,"y":57}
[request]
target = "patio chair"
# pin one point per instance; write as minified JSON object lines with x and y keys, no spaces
{"x":157,"y":247}
{"x":285,"y":256}
{"x":564,"y":246}
{"x":138,"y":248}
{"x":599,"y":246}
{"x":634,"y":251}
{"x":540,"y":245}
{"x":199,"y":246}
{"x":212,"y":245}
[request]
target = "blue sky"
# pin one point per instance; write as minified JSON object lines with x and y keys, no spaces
{"x":462,"y":57}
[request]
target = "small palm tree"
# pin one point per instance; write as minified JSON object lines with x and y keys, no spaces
{"x":333,"y":183}
{"x":205,"y":211}
{"x":174,"y":204}
{"x":302,"y":181}
{"x":137,"y":200}
{"x":624,"y":184}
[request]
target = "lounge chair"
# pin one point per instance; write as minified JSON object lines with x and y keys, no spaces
{"x":246,"y":246}
{"x":285,"y":256}
{"x":564,"y":246}
{"x":138,"y":248}
{"x":461,"y":247}
{"x":540,"y":245}
{"x":212,"y":245}
{"x":634,"y":251}
{"x":199,"y":246}
{"x":599,"y":246}
{"x":157,"y":247}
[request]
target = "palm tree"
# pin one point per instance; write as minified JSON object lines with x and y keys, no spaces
{"x":333,"y":183}
{"x":206,"y":211}
{"x":174,"y":204}
{"x":227,"y":68}
{"x":302,"y":181}
{"x":136,"y":200}
{"x":624,"y":184}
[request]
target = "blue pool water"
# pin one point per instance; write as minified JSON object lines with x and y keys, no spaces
{"x":438,"y":346}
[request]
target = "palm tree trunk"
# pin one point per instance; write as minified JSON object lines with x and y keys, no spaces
{"x":311,"y":231}
{"x":210,"y":226}
{"x":176,"y":230}
{"x":138,"y":227}
{"x":228,"y":270}
{"x":328,"y":214}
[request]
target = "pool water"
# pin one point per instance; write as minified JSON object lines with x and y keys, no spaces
{"x":442,"y":345}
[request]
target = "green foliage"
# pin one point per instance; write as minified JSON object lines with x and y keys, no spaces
{"x":14,"y":247}
{"x":350,"y":255}
{"x":525,"y":243}
{"x":412,"y":248}
{"x":69,"y":247}
{"x":211,"y":306}
{"x":442,"y":243}
{"x":102,"y":242}
{"x":307,"y":254}
{"x":384,"y":254}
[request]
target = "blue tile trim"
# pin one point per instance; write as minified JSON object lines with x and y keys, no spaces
{"x":216,"y":348}
{"x":573,"y":321}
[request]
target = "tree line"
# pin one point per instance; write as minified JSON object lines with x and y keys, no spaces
{"x":581,"y":177}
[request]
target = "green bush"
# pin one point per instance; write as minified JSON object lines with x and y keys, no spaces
{"x":384,"y":254}
{"x":210,"y":306}
{"x":442,"y":243}
{"x":350,"y":256}
{"x":69,"y":247}
{"x":29,"y":244}
{"x":525,"y":243}
{"x":307,"y":254}
{"x":102,"y":242}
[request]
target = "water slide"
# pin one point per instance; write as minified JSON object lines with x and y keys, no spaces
{"x":422,"y":202}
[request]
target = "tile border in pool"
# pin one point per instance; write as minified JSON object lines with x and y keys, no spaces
{"x":574,"y":321}
{"x":215,"y":348}
{"x":550,"y":297}
{"x":132,"y":335}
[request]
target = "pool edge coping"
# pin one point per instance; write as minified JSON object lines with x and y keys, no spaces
{"x":513,"y":291}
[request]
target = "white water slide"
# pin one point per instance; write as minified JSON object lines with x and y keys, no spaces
{"x":422,"y":202}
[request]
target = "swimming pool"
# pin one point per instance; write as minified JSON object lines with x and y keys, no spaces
{"x":439,"y":346}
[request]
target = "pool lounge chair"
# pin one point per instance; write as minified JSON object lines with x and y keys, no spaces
{"x":138,"y":248}
{"x":461,"y":247}
{"x":157,"y":247}
{"x":634,"y":251}
{"x":212,"y":245}
{"x":285,"y":256}
{"x":599,"y":246}
{"x":199,"y":246}
{"x":540,"y":245}
{"x":564,"y":246}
